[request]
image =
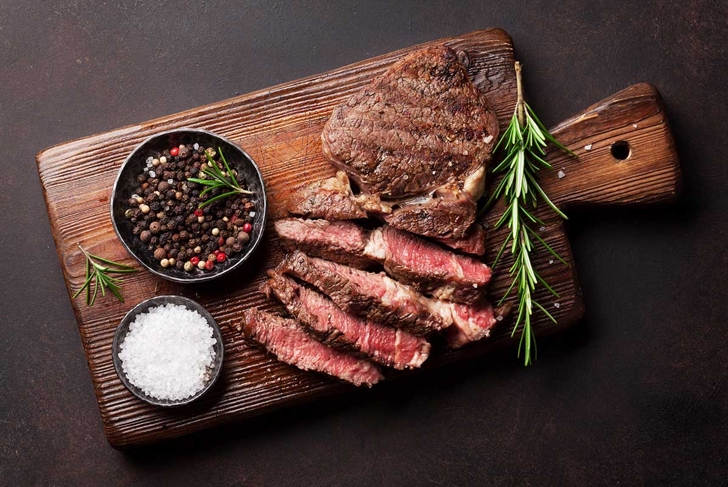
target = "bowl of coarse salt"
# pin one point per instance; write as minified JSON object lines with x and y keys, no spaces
{"x":168,"y":351}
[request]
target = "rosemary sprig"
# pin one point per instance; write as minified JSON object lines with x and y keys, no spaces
{"x":218,"y":180}
{"x":100,"y":276}
{"x":524,"y":143}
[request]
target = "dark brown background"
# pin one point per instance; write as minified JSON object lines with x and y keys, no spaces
{"x":636,"y":395}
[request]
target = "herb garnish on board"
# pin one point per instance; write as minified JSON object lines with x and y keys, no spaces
{"x":99,"y":276}
{"x":524,"y":143}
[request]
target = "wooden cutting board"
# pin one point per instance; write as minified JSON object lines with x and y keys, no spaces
{"x":280,"y":128}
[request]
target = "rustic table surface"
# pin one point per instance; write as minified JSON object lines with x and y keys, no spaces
{"x":636,"y":394}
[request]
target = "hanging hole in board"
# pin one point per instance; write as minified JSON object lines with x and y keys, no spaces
{"x":621,"y":150}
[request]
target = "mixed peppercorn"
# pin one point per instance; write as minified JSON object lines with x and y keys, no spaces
{"x":166,"y":214}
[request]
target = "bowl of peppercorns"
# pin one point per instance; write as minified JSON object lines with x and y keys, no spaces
{"x":189,"y":205}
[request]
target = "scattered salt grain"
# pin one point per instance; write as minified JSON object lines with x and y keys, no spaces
{"x":170,"y":181}
{"x":634,"y":125}
{"x":557,"y":305}
{"x":152,"y":174}
{"x":551,"y":261}
{"x":488,"y":139}
{"x":561,"y":174}
{"x":542,"y":229}
{"x":196,"y":146}
{"x":588,"y":147}
{"x":475,"y":285}
{"x":499,"y":318}
{"x":149,"y":160}
{"x":168,"y":352}
{"x":251,"y":214}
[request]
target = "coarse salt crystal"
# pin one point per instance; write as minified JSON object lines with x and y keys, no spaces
{"x":149,"y":160}
{"x":475,"y":285}
{"x":170,"y":180}
{"x":557,"y":305}
{"x":168,"y":352}
{"x":588,"y":147}
{"x":488,"y":139}
{"x":152,"y":174}
{"x":561,"y":174}
{"x":634,"y":125}
{"x":551,"y":261}
{"x":499,"y":318}
{"x":251,"y":214}
{"x":542,"y":229}
{"x":196,"y":146}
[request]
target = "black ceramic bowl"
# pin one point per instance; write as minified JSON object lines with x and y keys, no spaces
{"x":123,"y":329}
{"x":126,"y":182}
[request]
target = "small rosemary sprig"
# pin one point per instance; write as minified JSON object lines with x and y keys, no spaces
{"x":218,"y":180}
{"x":99,"y":275}
{"x":524,"y":143}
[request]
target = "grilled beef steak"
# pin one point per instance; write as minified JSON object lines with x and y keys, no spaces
{"x":375,"y":297}
{"x":284,"y":338}
{"x":418,"y":136}
{"x":410,"y":259}
{"x":333,"y":326}
{"x":333,"y":199}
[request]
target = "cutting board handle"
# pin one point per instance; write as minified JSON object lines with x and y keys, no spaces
{"x":626,"y":153}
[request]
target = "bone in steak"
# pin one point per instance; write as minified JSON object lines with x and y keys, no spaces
{"x":407,"y":258}
{"x":373,"y":296}
{"x":419,"y":136}
{"x":333,"y":326}
{"x":333,"y":199}
{"x":284,"y":338}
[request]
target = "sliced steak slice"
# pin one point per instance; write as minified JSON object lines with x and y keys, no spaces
{"x":333,"y":199}
{"x":472,"y":243}
{"x":422,"y":129}
{"x":333,"y":326}
{"x":284,"y":338}
{"x":338,"y":241}
{"x":429,"y":268}
{"x":373,"y":296}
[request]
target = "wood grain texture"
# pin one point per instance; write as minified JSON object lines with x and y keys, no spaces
{"x":280,"y":128}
